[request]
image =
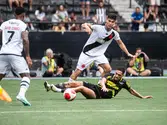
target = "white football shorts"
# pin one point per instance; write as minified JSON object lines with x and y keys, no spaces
{"x":85,"y":60}
{"x":17,"y":63}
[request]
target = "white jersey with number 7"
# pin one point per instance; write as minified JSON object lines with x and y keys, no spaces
{"x":12,"y":42}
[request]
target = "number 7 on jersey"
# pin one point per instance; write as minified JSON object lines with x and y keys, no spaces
{"x":10,"y":37}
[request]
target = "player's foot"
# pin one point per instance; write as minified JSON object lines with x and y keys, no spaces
{"x":23,"y":100}
{"x":47,"y":86}
{"x":60,"y":85}
{"x":56,"y":89}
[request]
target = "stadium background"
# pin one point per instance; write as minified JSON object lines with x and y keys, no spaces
{"x":52,"y":109}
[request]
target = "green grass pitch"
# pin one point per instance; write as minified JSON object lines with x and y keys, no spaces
{"x":50,"y":108}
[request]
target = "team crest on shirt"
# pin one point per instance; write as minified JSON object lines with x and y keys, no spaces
{"x":109,"y":37}
{"x":83,"y":65}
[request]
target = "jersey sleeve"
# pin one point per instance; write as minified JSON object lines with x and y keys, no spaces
{"x":126,"y":85}
{"x":23,"y":27}
{"x":95,"y":27}
{"x":117,"y":37}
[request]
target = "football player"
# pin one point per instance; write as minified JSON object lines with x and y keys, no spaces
{"x":14,"y":37}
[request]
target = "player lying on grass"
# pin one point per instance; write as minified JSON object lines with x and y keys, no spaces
{"x":109,"y":87}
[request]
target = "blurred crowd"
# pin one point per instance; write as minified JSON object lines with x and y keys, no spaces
{"x":60,"y":19}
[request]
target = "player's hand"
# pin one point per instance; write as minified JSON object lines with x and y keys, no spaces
{"x":104,"y":89}
{"x":130,"y":55}
{"x":29,"y":61}
{"x":146,"y":97}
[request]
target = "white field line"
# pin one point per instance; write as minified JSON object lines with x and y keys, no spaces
{"x":66,"y":78}
{"x":80,"y":111}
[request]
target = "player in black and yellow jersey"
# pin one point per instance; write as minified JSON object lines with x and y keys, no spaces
{"x":109,"y":86}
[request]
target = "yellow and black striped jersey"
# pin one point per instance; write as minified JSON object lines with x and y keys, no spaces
{"x":114,"y":86}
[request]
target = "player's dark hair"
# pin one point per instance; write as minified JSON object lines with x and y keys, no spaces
{"x":112,"y":16}
{"x":19,"y":10}
{"x":122,"y":70}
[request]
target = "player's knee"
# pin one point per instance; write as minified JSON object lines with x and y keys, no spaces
{"x":72,"y":84}
{"x":107,"y":70}
{"x":81,"y":88}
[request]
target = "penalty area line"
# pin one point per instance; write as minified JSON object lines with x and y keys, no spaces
{"x":80,"y":111}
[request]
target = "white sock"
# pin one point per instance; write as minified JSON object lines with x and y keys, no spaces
{"x":99,"y":80}
{"x":24,"y":85}
{"x":70,"y":80}
{"x":55,"y":89}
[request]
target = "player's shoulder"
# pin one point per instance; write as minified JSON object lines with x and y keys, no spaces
{"x":123,"y":81}
{"x":97,"y":26}
{"x":115,"y":31}
{"x":20,"y":22}
{"x":4,"y":23}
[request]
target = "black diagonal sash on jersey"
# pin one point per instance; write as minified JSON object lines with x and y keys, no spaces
{"x":109,"y":37}
{"x":96,"y":44}
{"x":91,"y":46}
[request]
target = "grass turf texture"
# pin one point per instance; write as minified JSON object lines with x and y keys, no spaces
{"x":50,"y":108}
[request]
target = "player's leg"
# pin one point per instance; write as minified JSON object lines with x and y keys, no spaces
{"x":100,"y":69}
{"x":131,"y":71}
{"x":20,"y":66}
{"x":146,"y":72}
{"x":83,"y":62}
{"x":106,"y":68}
{"x":102,"y":61}
{"x":1,"y":76}
{"x":71,"y":84}
{"x":75,"y":74}
{"x":4,"y":66}
{"x":87,"y":92}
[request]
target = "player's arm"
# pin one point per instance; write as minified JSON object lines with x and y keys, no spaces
{"x":135,"y":93}
{"x":102,"y":83}
{"x":87,"y":28}
{"x":123,"y":47}
{"x":26,"y":47}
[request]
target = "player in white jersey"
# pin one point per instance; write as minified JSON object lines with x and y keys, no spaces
{"x":14,"y":37}
{"x":95,"y":47}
